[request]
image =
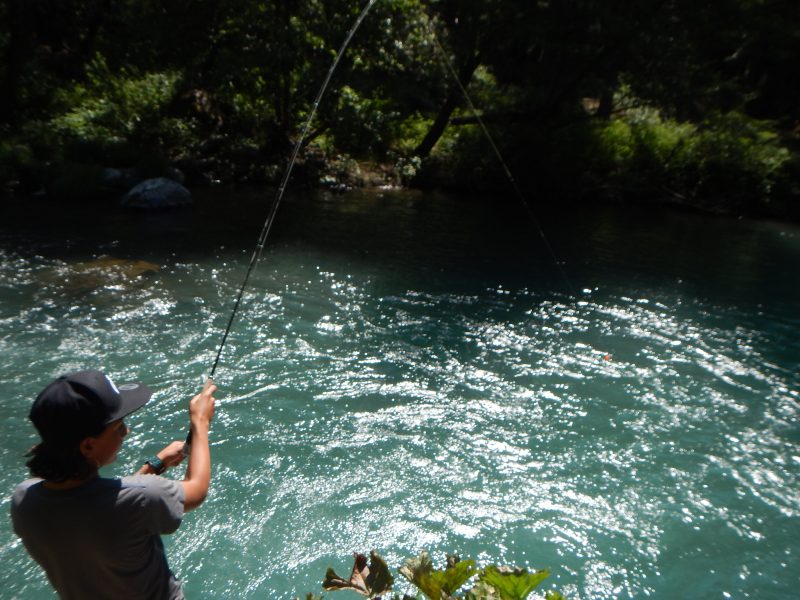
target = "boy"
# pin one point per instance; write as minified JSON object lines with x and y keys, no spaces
{"x":97,"y":537}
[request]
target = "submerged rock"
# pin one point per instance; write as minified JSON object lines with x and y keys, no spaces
{"x":118,"y":267}
{"x":157,"y":193}
{"x":105,"y":272}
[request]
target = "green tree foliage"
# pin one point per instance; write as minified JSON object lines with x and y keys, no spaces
{"x":583,"y":96}
{"x":594,"y":97}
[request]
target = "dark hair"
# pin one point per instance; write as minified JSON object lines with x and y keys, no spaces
{"x":58,"y":464}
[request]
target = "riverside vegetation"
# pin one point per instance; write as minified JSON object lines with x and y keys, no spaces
{"x":374,"y":580}
{"x":659,"y":100}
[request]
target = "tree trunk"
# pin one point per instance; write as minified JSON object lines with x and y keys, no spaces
{"x":424,"y":148}
{"x":606,"y":106}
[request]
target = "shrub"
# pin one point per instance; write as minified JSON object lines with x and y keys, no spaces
{"x":124,"y":106}
{"x":728,"y":163}
{"x":19,"y":167}
{"x":373,"y":580}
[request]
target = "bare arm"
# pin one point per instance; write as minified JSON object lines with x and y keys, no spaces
{"x":198,"y":471}
{"x":171,"y":456}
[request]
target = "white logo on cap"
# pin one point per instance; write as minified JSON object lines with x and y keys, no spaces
{"x":111,"y":383}
{"x":128,"y":386}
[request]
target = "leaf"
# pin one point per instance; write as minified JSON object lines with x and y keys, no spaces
{"x":554,"y":595}
{"x":435,"y":583}
{"x":369,"y":581}
{"x":513,"y":584}
{"x":482,"y":591}
{"x":418,"y":571}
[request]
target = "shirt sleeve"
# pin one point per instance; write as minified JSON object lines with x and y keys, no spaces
{"x":162,"y":501}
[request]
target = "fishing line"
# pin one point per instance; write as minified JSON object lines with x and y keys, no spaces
{"x":267,"y":227}
{"x":262,"y":238}
{"x":448,"y":67}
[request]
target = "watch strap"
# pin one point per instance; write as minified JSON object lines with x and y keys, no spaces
{"x":156,"y":464}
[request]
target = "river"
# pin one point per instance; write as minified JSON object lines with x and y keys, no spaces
{"x":414,"y":372}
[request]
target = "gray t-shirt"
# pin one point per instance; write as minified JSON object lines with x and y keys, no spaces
{"x":102,"y":539}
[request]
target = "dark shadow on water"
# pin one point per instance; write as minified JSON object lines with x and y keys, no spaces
{"x":452,"y":240}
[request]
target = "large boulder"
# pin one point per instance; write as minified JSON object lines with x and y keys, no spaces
{"x":157,"y":193}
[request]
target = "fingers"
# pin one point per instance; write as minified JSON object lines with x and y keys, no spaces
{"x":172,"y":454}
{"x":202,"y":405}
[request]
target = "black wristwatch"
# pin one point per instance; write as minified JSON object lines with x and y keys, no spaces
{"x":156,"y":464}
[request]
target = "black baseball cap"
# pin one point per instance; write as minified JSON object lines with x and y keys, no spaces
{"x":82,"y":404}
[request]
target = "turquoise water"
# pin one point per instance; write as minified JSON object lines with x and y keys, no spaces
{"x":412,"y":372}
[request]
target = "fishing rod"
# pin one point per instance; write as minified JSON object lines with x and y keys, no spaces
{"x":267,"y":227}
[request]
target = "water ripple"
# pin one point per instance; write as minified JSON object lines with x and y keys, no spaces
{"x":638,"y":441}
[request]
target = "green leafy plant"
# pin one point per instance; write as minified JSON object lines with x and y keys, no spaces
{"x":436,"y":583}
{"x":374,"y":580}
{"x":512,"y":584}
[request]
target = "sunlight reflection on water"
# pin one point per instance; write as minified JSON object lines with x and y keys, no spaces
{"x":638,"y":440}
